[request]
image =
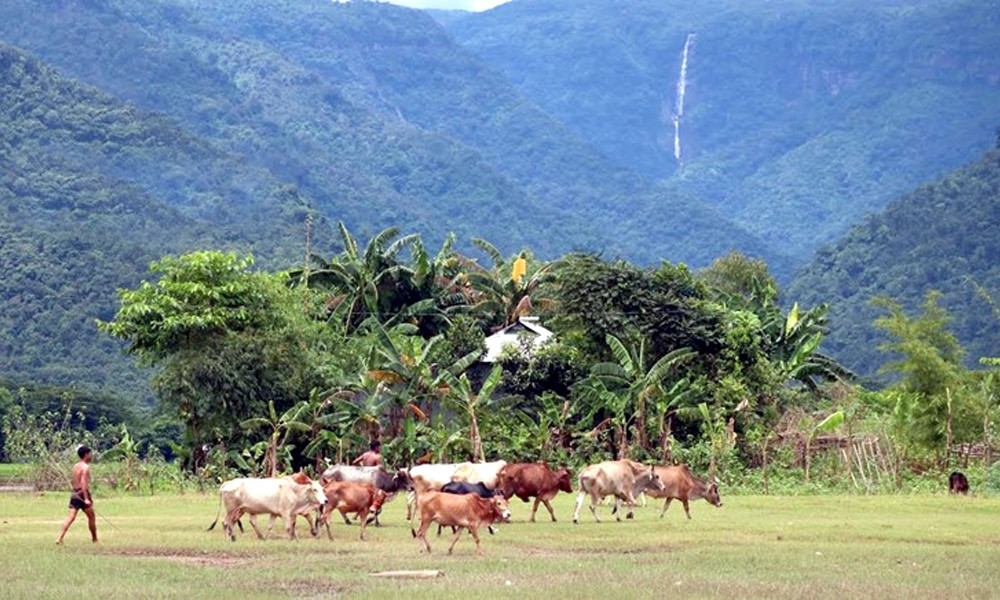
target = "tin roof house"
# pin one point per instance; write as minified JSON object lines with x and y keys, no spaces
{"x":524,"y":329}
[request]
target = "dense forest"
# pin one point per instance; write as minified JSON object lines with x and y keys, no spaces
{"x":378,"y":116}
{"x":943,"y":236}
{"x":799,"y":117}
{"x":278,"y":209}
{"x":123,"y":188}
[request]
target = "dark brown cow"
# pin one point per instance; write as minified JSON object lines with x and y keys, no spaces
{"x":348,"y":497}
{"x":534,"y":480}
{"x":958,"y":483}
{"x":467,"y":511}
{"x":680,"y":484}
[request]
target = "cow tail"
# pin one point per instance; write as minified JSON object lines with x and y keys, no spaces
{"x":217,"y":513}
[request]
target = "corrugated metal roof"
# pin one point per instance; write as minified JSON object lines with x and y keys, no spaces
{"x":524,"y":328}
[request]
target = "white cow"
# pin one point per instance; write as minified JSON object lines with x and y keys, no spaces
{"x":622,"y":479}
{"x":429,"y":478}
{"x":485,"y":473}
{"x":282,"y":497}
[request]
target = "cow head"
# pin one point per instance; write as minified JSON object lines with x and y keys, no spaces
{"x":500,"y":508}
{"x":712,"y":495}
{"x":565,"y":480}
{"x":315,"y":494}
{"x":649,"y":480}
{"x":401,"y":480}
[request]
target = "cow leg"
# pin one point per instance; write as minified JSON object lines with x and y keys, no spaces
{"x":534,"y":509}
{"x":364,"y":522}
{"x":594,"y":500}
{"x":687,"y":510}
{"x":411,"y":500}
{"x":458,"y":534}
{"x":666,"y":505}
{"x":421,"y":534}
{"x":289,"y":520}
{"x":253,"y":523}
{"x":227,"y":526}
{"x":579,"y":503}
{"x":618,"y":509}
{"x":475,"y":536}
{"x":552,"y":513}
{"x":343,"y":513}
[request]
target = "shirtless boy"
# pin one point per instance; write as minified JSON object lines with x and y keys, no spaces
{"x":371,"y":458}
{"x":80,"y":499}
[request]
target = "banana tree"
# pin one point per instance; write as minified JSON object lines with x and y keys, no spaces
{"x":831,"y":422}
{"x":628,"y":388}
{"x":507,"y":291}
{"x":470,"y":403}
{"x":281,"y":427}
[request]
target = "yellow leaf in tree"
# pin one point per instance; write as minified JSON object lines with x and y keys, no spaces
{"x":520,"y":268}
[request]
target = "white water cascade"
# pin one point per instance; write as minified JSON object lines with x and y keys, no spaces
{"x":681,"y":89}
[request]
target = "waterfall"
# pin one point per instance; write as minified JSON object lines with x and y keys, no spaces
{"x":681,"y":89}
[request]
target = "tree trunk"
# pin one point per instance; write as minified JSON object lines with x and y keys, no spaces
{"x":666,"y":432}
{"x":622,"y":443}
{"x":808,"y":458}
{"x":767,"y":438}
{"x":986,"y":436}
{"x":474,"y":437}
{"x":948,"y":434}
{"x":640,"y":422}
{"x":850,"y":449}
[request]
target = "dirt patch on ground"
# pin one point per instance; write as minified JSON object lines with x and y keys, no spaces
{"x":309,"y":588}
{"x":191,"y":557}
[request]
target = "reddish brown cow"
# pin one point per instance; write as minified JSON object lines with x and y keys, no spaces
{"x":534,"y":480}
{"x":679,"y":483}
{"x":458,"y":510}
{"x":347,"y":497}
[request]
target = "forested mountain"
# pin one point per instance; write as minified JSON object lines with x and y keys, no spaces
{"x":943,"y":236}
{"x":79,"y":217}
{"x":799,"y":116}
{"x":377,"y":115}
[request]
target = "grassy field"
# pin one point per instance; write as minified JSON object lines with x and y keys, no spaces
{"x":818,"y":546}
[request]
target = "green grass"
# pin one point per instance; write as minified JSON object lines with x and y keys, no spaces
{"x":14,"y":470}
{"x":754,"y":546}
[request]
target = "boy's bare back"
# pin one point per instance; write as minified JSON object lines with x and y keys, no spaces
{"x":81,"y":476}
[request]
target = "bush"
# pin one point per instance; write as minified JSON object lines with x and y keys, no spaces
{"x":993,"y":479}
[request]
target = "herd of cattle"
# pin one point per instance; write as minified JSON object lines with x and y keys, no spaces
{"x":457,"y":495}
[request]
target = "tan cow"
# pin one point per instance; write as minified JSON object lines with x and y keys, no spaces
{"x":467,"y":511}
{"x":349,"y":497}
{"x":680,"y":484}
{"x":622,"y":479}
{"x":282,"y":497}
{"x":428,"y":478}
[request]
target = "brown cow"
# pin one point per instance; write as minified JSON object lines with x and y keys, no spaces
{"x":680,"y":484}
{"x":534,"y":480}
{"x":458,"y":510}
{"x":346,"y":496}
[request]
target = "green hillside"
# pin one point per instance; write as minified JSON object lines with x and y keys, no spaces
{"x":943,"y":236}
{"x":78,"y":219}
{"x":376,"y":114}
{"x":799,"y":116}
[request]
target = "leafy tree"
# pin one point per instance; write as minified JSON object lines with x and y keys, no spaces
{"x":223,"y":337}
{"x":629,"y":388}
{"x":470,"y":404}
{"x":928,"y":357}
{"x":279,"y":428}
